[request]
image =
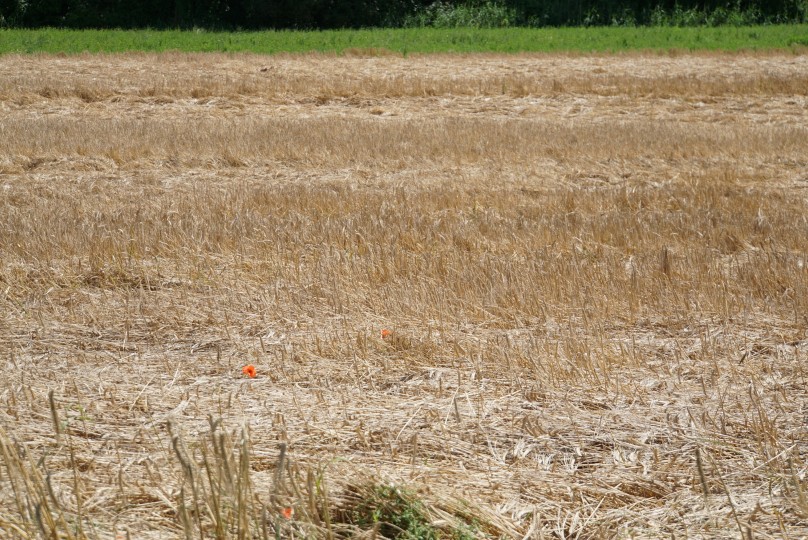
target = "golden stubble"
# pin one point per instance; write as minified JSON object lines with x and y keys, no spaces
{"x":594,"y":269}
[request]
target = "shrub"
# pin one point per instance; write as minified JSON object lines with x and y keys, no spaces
{"x":444,"y":15}
{"x":720,"y":16}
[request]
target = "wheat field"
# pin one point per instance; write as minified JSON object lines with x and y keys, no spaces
{"x":538,"y":296}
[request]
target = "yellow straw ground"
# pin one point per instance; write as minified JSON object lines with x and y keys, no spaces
{"x":593,"y":268}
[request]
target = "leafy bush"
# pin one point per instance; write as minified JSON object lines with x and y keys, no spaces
{"x":796,"y":11}
{"x":624,"y":18}
{"x":444,"y":15}
{"x":720,"y":16}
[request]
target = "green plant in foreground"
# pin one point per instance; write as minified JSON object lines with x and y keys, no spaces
{"x":396,"y":512}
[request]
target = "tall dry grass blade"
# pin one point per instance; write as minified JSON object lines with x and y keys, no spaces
{"x":702,"y":477}
{"x":741,"y":530}
{"x":57,"y":428}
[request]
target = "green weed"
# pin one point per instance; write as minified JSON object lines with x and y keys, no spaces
{"x":395,"y":512}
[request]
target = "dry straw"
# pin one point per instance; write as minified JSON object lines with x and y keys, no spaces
{"x":592,"y":271}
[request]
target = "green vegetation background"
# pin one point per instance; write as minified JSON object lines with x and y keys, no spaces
{"x":325,"y":14}
{"x":405,"y":41}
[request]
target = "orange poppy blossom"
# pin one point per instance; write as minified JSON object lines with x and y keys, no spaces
{"x":249,"y":370}
{"x":386,"y":333}
{"x":288,"y":512}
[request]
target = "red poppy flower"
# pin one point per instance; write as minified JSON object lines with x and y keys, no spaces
{"x":288,"y":512}
{"x":249,"y":371}
{"x":386,"y":333}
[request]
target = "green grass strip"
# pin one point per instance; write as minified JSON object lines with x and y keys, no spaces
{"x":410,"y":40}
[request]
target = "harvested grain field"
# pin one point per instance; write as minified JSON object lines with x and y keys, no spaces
{"x":485,"y":296}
